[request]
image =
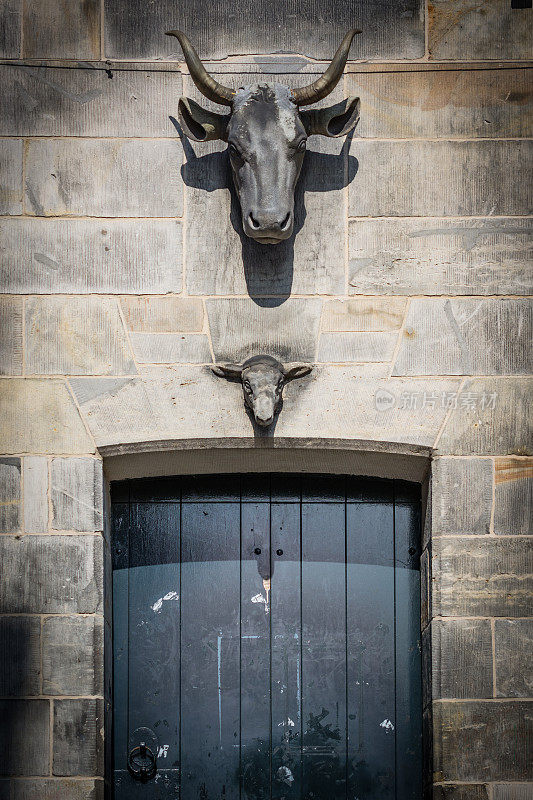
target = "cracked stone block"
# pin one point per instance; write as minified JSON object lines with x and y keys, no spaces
{"x":104,"y":178}
{"x":35,"y":494}
{"x":76,"y":335}
{"x":513,"y":502}
{"x":76,"y":486}
{"x":9,"y":495}
{"x":466,"y":337}
{"x":52,"y":574}
{"x":440,"y":256}
{"x":462,"y":496}
{"x":78,"y":737}
{"x":513,"y":653}
{"x":25,"y":737}
{"x":163,"y":314}
{"x":20,"y":659}
{"x":10,"y":336}
{"x":73,"y":655}
{"x":10,"y":173}
{"x":83,"y":256}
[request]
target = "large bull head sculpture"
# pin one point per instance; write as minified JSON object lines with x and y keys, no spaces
{"x":267,"y":133}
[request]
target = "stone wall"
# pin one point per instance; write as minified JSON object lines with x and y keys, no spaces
{"x":124,"y":274}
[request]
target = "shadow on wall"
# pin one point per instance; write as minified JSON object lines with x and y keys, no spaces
{"x":321,"y":172}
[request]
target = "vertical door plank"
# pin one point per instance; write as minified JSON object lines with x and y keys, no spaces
{"x":255,"y":649}
{"x":120,"y":555}
{"x":154,"y":640}
{"x":323,"y":650}
{"x":370,"y":650}
{"x":408,"y":649}
{"x":286,"y":651}
{"x":210,"y":637}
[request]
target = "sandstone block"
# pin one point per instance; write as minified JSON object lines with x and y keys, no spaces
{"x":163,"y":314}
{"x":78,"y":737}
{"x":76,"y":335}
{"x":482,"y":576}
{"x":73,"y":655}
{"x":20,"y":658}
{"x":76,"y":486}
{"x":461,"y":656}
{"x":513,"y":502}
{"x":104,"y":178}
{"x":9,"y":495}
{"x":35,"y":502}
{"x":51,"y":31}
{"x":512,"y":791}
{"x":10,"y":27}
{"x":364,"y":314}
{"x":25,"y":737}
{"x":58,"y":789}
{"x":51,"y":574}
{"x":461,"y":792}
{"x":439,"y":256}
{"x":402,"y":179}
{"x":466,"y":337}
{"x":10,"y":335}
{"x":10,"y":175}
{"x":513,"y":640}
{"x":462,"y":496}
{"x":171,"y":348}
{"x":351,"y":346}
{"x":42,"y":256}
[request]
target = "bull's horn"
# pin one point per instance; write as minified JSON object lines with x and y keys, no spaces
{"x":204,"y":82}
{"x":326,"y":83}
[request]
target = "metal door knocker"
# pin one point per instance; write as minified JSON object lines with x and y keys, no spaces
{"x":142,"y":763}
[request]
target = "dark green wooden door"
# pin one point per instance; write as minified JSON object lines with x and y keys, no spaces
{"x":267,"y":637}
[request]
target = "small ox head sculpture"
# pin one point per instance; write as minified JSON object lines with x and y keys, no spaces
{"x":267,"y":135}
{"x":263,"y":379}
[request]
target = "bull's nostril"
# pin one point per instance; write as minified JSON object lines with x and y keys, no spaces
{"x":286,"y":222}
{"x":253,"y":222}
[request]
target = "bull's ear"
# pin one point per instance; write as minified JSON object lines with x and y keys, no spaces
{"x":199,"y":124}
{"x":335,"y":120}
{"x":227,"y":370}
{"x":293,"y":371}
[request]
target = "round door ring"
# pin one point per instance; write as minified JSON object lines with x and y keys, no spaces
{"x":142,"y":763}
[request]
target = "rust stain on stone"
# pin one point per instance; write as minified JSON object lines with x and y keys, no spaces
{"x":508,"y":469}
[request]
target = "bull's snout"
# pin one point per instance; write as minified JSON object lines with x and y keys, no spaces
{"x":268,"y":226}
{"x":263,"y":408}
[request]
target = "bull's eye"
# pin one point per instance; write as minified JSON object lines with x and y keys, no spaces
{"x":301,"y":145}
{"x":234,"y":151}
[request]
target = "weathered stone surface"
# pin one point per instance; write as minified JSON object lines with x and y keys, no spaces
{"x":78,"y":737}
{"x":9,"y":495}
{"x":35,"y":501}
{"x":461,"y":654}
{"x":24,"y":737}
{"x":10,"y":176}
{"x":356,"y":347}
{"x":135,"y":31}
{"x":39,"y":416}
{"x":513,"y":501}
{"x":460,"y":30}
{"x":364,"y":314}
{"x":482,"y":577}
{"x":461,"y":496}
{"x":466,"y":337}
{"x":20,"y":656}
{"x":240,"y":328}
{"x":68,"y":29}
{"x":432,"y":101}
{"x":76,"y":335}
{"x":55,"y":789}
{"x":513,"y":652}
{"x":440,"y":256}
{"x":461,"y":792}
{"x":500,"y":749}
{"x":76,"y":486}
{"x":498,"y":422}
{"x":73,"y":655}
{"x":10,"y":28}
{"x":512,"y":791}
{"x":401,"y":179}
{"x":51,"y":574}
{"x":171,"y":348}
{"x":163,"y":314}
{"x":10,"y":335}
{"x":104,"y":178}
{"x":41,"y":256}
{"x":40,"y":101}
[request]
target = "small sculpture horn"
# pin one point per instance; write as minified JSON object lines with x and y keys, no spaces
{"x":326,"y":83}
{"x":204,"y":82}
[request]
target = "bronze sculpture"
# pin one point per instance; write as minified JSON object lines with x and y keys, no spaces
{"x":266,"y":132}
{"x":263,"y":378}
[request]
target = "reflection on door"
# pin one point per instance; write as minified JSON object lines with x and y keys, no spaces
{"x":266,"y":635}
